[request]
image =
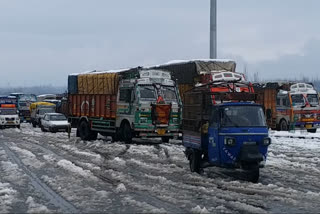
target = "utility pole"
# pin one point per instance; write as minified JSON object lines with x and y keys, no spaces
{"x":213,"y":29}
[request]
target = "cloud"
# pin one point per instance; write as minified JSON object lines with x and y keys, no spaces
{"x":292,"y":66}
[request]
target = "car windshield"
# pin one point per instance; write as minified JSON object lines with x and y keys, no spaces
{"x":240,"y":116}
{"x":8,"y":111}
{"x":297,"y":99}
{"x":57,"y":117}
{"x":147,"y":93}
{"x":46,"y":110}
{"x":169,"y":93}
{"x":313,"y":99}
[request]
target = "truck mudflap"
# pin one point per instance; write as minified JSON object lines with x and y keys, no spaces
{"x":250,"y":154}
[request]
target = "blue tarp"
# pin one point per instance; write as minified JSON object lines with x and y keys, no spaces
{"x":73,"y":84}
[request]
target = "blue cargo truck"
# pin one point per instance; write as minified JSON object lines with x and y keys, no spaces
{"x":226,"y":129}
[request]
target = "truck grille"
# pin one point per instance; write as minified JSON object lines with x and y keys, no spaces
{"x":9,"y":119}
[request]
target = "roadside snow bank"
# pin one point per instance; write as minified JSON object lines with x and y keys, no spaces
{"x":69,"y":166}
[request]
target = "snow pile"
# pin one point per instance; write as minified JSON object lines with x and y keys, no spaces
{"x":7,"y":197}
{"x":67,"y":165}
{"x":120,"y":161}
{"x":198,"y":210}
{"x":121,"y":188}
{"x":28,"y":158}
{"x":35,"y":207}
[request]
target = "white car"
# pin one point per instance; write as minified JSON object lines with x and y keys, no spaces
{"x":55,"y":122}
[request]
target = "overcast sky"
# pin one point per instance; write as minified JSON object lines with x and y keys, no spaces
{"x":41,"y":42}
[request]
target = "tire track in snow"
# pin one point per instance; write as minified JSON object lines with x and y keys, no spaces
{"x":51,"y":195}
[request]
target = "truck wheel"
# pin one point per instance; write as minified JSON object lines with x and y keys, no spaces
{"x":34,"y":125}
{"x":93,"y":135}
{"x":312,"y":130}
{"x":165,"y":139}
{"x":283,"y":125}
{"x":42,"y":129}
{"x":18,"y":126}
{"x":84,"y":131}
{"x":126,"y":133}
{"x":194,"y":161}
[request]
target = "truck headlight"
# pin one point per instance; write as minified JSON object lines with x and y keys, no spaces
{"x":266,"y":141}
{"x":175,"y":120}
{"x":143,"y":120}
{"x":175,"y":110}
{"x":228,"y":141}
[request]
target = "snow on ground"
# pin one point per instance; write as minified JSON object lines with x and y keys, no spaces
{"x":149,"y":177}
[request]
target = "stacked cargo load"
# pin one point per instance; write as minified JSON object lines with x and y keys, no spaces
{"x":191,"y":73}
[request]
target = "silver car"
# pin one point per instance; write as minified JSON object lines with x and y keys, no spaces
{"x":55,"y":122}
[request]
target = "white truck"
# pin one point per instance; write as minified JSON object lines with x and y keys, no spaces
{"x":9,"y":114}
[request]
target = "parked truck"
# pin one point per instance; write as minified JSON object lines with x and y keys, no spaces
{"x":125,"y":104}
{"x":9,"y":114}
{"x":37,"y":111}
{"x":290,"y":106}
{"x":24,"y":101}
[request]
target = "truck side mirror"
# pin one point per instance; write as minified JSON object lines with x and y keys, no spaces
{"x":269,"y":113}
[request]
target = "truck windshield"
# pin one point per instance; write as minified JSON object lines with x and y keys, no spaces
{"x":8,"y":111}
{"x":27,"y":97}
{"x":313,"y":99}
{"x":147,"y":93}
{"x":240,"y":116}
{"x":297,"y":99}
{"x":169,"y":93}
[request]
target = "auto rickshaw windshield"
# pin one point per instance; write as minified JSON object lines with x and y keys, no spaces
{"x":242,"y":116}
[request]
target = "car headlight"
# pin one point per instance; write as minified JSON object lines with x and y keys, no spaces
{"x":266,"y":141}
{"x":228,"y":141}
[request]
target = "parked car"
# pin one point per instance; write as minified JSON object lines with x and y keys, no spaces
{"x":55,"y":122}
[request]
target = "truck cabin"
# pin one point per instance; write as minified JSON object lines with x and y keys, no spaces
{"x":304,"y":95}
{"x":8,"y":109}
{"x":151,"y":85}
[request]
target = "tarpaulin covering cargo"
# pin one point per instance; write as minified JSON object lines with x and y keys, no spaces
{"x":187,"y":71}
{"x":98,"y":83}
{"x":36,"y":104}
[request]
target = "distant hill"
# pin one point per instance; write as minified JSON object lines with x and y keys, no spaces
{"x":37,"y":90}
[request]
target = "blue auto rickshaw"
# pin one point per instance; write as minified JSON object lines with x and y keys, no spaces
{"x":225,"y":130}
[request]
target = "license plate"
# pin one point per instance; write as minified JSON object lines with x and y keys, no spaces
{"x":308,"y":126}
{"x":10,"y":122}
{"x":161,"y":131}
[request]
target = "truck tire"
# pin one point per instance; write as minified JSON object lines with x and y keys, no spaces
{"x":34,"y":125}
{"x":126,"y":132}
{"x":283,"y":125}
{"x":84,"y":130}
{"x":312,"y":130}
{"x":42,"y":129}
{"x":85,"y":133}
{"x":194,"y":161}
{"x":18,"y":126}
{"x":93,"y":135}
{"x":165,"y":139}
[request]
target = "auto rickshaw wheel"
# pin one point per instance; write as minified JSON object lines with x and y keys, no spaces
{"x":253,"y":175}
{"x":194,"y":161}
